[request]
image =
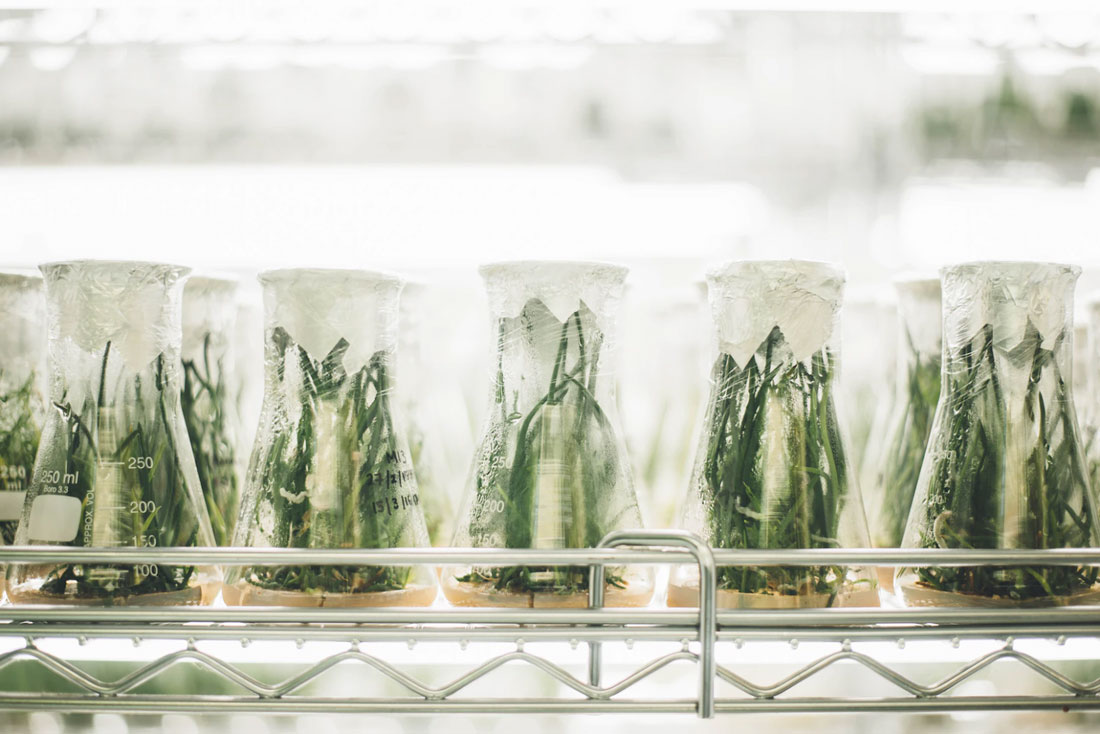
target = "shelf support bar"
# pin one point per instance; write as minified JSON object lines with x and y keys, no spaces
{"x":708,"y":600}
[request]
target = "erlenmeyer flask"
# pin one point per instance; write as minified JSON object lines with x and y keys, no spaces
{"x":22,"y":359}
{"x":772,"y":470}
{"x":248,"y":364}
{"x":1004,"y":466}
{"x":421,"y":400}
{"x":868,"y":319}
{"x":664,"y":331}
{"x":551,"y":470}
{"x":890,"y":486}
{"x":208,"y":400}
{"x":114,"y":466}
{"x":330,"y":468}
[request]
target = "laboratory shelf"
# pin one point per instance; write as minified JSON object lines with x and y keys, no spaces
{"x":703,"y":661}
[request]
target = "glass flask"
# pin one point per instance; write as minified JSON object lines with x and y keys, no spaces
{"x":330,"y":467}
{"x":1004,"y":466}
{"x":892,"y":482}
{"x":208,"y":399}
{"x":772,"y":470}
{"x":248,"y":364}
{"x":22,"y":359}
{"x":868,"y":322}
{"x":114,"y":466}
{"x":550,"y":470}
{"x":422,"y":401}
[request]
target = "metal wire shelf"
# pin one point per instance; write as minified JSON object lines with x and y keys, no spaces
{"x":165,"y":640}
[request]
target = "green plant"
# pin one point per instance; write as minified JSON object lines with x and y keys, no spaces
{"x":333,"y":476}
{"x":773,"y":473}
{"x":1005,"y":470}
{"x":118,"y":456}
{"x":912,"y":424}
{"x":205,"y":403}
{"x":556,"y":479}
{"x":19,"y":434}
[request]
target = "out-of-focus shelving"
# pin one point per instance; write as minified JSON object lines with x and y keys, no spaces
{"x":443,"y":659}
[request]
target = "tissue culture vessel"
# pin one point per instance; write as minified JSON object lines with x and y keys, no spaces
{"x":893,"y":478}
{"x":771,"y":470}
{"x":1004,"y":466}
{"x":550,"y":470}
{"x":114,"y":467}
{"x":209,"y":408}
{"x":22,"y":358}
{"x":330,"y":468}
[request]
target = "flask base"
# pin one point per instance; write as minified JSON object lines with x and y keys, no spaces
{"x":469,"y":594}
{"x":914,"y":594}
{"x":244,"y":594}
{"x":681,"y":595}
{"x":189,"y":597}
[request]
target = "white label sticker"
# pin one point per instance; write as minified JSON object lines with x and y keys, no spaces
{"x":55,"y":518}
{"x":11,"y":505}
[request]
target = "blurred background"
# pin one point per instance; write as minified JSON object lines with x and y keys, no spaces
{"x":427,"y":138}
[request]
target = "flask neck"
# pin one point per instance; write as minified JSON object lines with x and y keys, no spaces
{"x":348,"y":316}
{"x":1009,"y":327}
{"x":543,"y":360}
{"x":1012,"y":304}
{"x":111,"y":322}
{"x":757,"y":304}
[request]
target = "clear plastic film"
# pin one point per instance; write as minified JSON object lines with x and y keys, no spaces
{"x":551,"y":470}
{"x":22,"y":379}
{"x":330,"y":468}
{"x":1004,"y":466}
{"x":208,"y":398}
{"x":114,"y":466}
{"x":771,"y":470}
{"x":890,"y":486}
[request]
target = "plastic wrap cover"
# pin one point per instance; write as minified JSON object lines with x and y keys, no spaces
{"x":750,"y":298}
{"x":318,"y":308}
{"x":1006,"y":296}
{"x":560,"y":286}
{"x":133,"y":305}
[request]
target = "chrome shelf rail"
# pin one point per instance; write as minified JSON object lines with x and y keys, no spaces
{"x":148,"y":646}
